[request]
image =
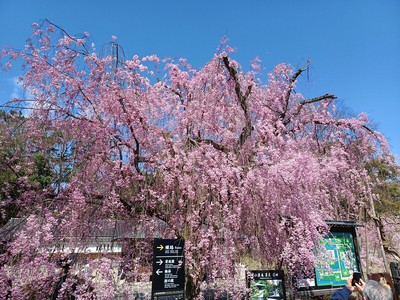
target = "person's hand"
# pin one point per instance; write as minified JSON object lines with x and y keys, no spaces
{"x":349,"y":285}
{"x":360,"y":286}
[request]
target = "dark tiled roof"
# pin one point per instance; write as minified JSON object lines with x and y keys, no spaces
{"x":103,"y":230}
{"x":127,"y":229}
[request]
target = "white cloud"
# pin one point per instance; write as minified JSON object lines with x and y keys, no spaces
{"x":20,"y":98}
{"x":17,"y":90}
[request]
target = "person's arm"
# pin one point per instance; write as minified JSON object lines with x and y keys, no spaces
{"x":342,"y":294}
{"x":345,"y":292}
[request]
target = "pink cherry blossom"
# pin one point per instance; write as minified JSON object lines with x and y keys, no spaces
{"x":239,"y":168}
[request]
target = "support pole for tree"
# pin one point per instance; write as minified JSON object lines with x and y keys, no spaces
{"x":366,"y":241}
{"x":373,"y":215}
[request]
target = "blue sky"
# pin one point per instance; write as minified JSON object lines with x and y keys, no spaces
{"x":353,"y":45}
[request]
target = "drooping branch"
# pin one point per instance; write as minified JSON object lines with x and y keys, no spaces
{"x":136,"y":150}
{"x":338,"y":123}
{"x":247,"y":129}
{"x":80,"y":89}
{"x":69,"y":36}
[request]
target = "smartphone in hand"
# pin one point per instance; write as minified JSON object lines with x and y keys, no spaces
{"x":356,"y":278}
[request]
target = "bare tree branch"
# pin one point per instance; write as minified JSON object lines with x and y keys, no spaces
{"x":368,"y":129}
{"x":291,"y":85}
{"x":317,"y":99}
{"x":308,"y":101}
{"x":292,"y":81}
{"x":248,"y":128}
{"x":210,"y":142}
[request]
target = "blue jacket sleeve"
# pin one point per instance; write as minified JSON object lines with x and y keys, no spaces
{"x":342,"y":294}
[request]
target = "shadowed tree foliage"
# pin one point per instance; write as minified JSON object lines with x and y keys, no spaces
{"x":22,"y":167}
{"x":386,"y":184}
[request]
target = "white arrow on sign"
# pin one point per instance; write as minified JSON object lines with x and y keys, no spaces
{"x":160,"y":262}
{"x":158,"y":272}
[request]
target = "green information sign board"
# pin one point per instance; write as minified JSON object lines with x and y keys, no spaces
{"x":337,"y":260}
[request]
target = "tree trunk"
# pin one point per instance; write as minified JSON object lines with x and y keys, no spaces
{"x":192,"y":288}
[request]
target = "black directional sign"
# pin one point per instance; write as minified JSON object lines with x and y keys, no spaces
{"x":168,"y":281}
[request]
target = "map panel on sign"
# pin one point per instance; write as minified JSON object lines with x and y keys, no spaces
{"x":337,"y":259}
